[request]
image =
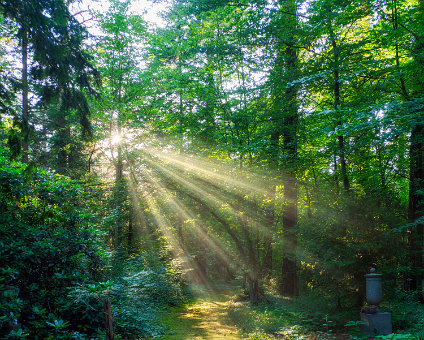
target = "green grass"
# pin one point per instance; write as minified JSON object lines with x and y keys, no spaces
{"x":289,"y":319}
{"x":179,"y":325}
{"x":204,"y":317}
{"x":221,"y":312}
{"x":315,"y":317}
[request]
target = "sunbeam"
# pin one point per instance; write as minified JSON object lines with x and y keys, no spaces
{"x":188,"y":215}
{"x":202,"y":167}
{"x":217,"y":199}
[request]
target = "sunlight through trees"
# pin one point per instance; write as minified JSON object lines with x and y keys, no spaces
{"x":270,"y":146}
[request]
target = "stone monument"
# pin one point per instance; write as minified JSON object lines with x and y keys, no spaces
{"x":375,"y":321}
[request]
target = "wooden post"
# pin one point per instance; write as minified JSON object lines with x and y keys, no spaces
{"x":108,"y":319}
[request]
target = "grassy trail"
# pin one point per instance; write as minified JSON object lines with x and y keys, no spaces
{"x":203,"y":318}
{"x":206,"y":317}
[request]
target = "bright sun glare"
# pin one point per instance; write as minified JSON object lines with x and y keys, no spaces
{"x":116,"y":139}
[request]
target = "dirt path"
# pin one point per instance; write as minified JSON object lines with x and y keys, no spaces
{"x":205,"y":318}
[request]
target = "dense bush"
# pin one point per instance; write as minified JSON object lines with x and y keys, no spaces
{"x":143,"y":286}
{"x":54,"y":272}
{"x":46,"y":247}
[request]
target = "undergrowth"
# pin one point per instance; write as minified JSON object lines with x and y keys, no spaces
{"x":289,"y":318}
{"x":313,"y":316}
{"x":141,"y":289}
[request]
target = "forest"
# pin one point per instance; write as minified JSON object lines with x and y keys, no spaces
{"x":232,"y":169}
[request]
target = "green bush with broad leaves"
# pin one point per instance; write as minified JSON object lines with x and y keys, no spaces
{"x":47,"y":246}
{"x":55,"y":272}
{"x":142,"y":287}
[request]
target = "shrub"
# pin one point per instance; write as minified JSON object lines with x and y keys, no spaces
{"x":46,"y":247}
{"x":144,"y":285}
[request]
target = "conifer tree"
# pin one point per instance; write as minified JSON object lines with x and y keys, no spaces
{"x":54,"y":65}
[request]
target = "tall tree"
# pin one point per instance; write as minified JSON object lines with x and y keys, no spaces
{"x":285,"y":116}
{"x":403,"y":23}
{"x":54,"y":66}
{"x":118,"y":54}
{"x":416,"y":151}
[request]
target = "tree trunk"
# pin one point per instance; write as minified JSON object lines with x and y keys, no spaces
{"x":270,"y":218}
{"x":130,"y":234}
{"x":289,"y":284}
{"x":416,"y":160}
{"x":416,"y":206}
{"x":337,"y":107}
{"x":180,"y":233}
{"x":201,"y":267}
{"x":308,"y":202}
{"x":336,"y":176}
{"x":62,"y":143}
{"x":271,"y":214}
{"x":108,"y":319}
{"x":252,"y":258}
{"x":253,"y":289}
{"x":120,"y":187}
{"x":119,"y":162}
{"x":25,"y":102}
{"x":286,"y":113}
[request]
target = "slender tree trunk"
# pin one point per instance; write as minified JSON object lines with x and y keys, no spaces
{"x":336,"y":173}
{"x":180,"y":233}
{"x":119,"y":163}
{"x":120,"y":187}
{"x":201,"y":266}
{"x":253,"y":289}
{"x":346,"y":184}
{"x":252,"y":257}
{"x":120,"y":197}
{"x":270,"y":218}
{"x":309,"y":203}
{"x":289,"y":284}
{"x":395,"y":25}
{"x":108,"y":319}
{"x":64,"y":156}
{"x":25,"y":101}
{"x":271,"y":213}
{"x":381,"y":168}
{"x":130,"y":235}
{"x":210,"y":100}
{"x":337,"y":107}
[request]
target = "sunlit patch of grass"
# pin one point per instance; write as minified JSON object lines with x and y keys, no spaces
{"x":204,"y":318}
{"x":181,"y":325}
{"x":299,"y":318}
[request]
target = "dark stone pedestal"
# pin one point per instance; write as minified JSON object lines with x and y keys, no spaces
{"x":376,"y":324}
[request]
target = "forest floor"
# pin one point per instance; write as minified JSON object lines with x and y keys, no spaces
{"x":221,"y":311}
{"x":208,"y":316}
{"x":205,"y":317}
